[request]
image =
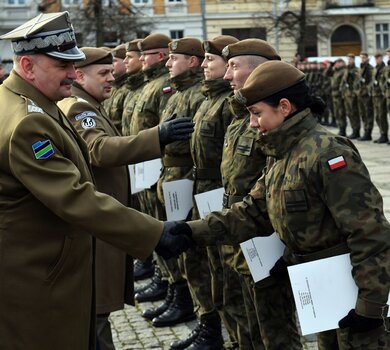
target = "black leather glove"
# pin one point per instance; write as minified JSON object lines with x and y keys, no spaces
{"x":359,"y":323}
{"x":174,"y":129}
{"x":175,"y":239}
{"x":279,"y":270}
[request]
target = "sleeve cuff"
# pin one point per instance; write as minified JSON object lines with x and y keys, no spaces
{"x":371,"y":309}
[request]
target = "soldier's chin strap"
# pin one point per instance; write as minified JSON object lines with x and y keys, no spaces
{"x":384,"y":317}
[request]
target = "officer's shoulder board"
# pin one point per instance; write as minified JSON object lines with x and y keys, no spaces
{"x":32,"y":107}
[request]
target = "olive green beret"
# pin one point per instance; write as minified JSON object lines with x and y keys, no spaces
{"x":251,"y":47}
{"x":154,"y":41}
{"x":119,"y":51}
{"x":363,"y":53}
{"x":216,"y":45}
{"x":187,"y":46}
{"x":133,"y":45}
{"x":48,"y":33}
{"x":378,"y":54}
{"x":268,"y":79}
{"x":94,"y":55}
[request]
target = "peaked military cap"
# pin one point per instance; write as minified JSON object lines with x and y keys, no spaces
{"x":187,"y":46}
{"x":133,"y":45}
{"x":268,"y":79}
{"x":94,"y":55}
{"x":252,"y":47}
{"x":119,"y":51}
{"x":154,"y":41}
{"x":216,"y":45}
{"x":48,"y":33}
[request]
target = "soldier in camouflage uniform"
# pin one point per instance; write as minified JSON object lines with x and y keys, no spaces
{"x":364,"y":98}
{"x":378,"y":99}
{"x":326,"y":94}
{"x":336,"y":72}
{"x":185,"y":77}
{"x":317,"y":195}
{"x":114,"y":104}
{"x":386,"y":83}
{"x":211,"y":121}
{"x":350,"y":98}
{"x":146,"y":114}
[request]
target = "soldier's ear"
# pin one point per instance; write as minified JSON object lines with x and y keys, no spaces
{"x":80,"y":75}
{"x":26,"y":64}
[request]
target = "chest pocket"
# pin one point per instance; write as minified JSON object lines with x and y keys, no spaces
{"x":207,"y":128}
{"x":295,"y":201}
{"x":245,"y":145}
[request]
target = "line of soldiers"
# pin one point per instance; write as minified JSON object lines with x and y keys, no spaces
{"x":156,"y":80}
{"x":361,"y":94}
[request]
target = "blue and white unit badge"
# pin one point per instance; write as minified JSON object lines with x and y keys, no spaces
{"x":43,"y":149}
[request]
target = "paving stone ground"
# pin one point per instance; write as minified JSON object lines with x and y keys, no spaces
{"x":131,"y":331}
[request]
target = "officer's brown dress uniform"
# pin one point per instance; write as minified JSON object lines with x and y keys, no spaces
{"x":49,"y":209}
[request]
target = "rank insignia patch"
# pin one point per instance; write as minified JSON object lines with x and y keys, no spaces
{"x":43,"y":149}
{"x":337,"y":163}
{"x":88,"y":123}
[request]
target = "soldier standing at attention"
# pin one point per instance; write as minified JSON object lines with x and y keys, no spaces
{"x":327,"y":205}
{"x":109,"y":154}
{"x":379,"y":100}
{"x":386,"y":83}
{"x":146,"y":114}
{"x":49,"y":203}
{"x":350,"y":99}
{"x":135,"y":83}
{"x":336,"y":72}
{"x":364,"y":98}
{"x":114,"y":104}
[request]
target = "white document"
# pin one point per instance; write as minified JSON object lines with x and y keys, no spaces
{"x":147,"y":173}
{"x":261,"y":254}
{"x":324,"y":292}
{"x":209,"y":201}
{"x":178,"y":198}
{"x":134,"y":189}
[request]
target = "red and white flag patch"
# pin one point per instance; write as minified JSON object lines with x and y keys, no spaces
{"x":337,"y":163}
{"x":167,"y":89}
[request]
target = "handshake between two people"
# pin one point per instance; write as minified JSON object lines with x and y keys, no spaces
{"x":176,"y":238}
{"x":175,"y":129}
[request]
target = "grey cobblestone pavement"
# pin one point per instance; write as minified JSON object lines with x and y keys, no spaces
{"x":131,"y":331}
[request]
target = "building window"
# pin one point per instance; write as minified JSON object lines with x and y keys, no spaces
{"x":245,"y":33}
{"x":16,"y":2}
{"x":382,"y":35}
{"x":172,"y":1}
{"x":177,"y":34}
{"x":67,"y":3}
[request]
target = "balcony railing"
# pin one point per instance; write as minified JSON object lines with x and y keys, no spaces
{"x":348,"y":3}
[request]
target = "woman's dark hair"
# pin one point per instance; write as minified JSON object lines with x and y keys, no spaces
{"x":299,"y":95}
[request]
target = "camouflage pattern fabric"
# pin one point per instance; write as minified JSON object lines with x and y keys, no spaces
{"x":336,"y":77}
{"x":364,"y":99}
{"x":378,"y":99}
{"x":350,"y":99}
{"x":385,"y":83}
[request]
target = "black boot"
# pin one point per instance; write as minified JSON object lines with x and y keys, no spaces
{"x":156,"y":290}
{"x":183,"y":344}
{"x":366,"y":136}
{"x":152,"y":313}
{"x":355,"y":134}
{"x":143,"y":270}
{"x":180,"y":310}
{"x":382,"y":139}
{"x":342,"y":132}
{"x":210,"y":335}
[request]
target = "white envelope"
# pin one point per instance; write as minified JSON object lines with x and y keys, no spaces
{"x":178,"y":198}
{"x":209,"y":201}
{"x":147,"y":173}
{"x":134,"y":189}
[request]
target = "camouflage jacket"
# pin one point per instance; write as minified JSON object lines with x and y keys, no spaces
{"x":242,"y":164}
{"x":364,"y":80}
{"x":349,"y":80}
{"x":114,"y":104}
{"x":211,"y":121}
{"x":152,"y":99}
{"x":135,"y":84}
{"x":377,"y":78}
{"x":386,"y":80}
{"x":184,"y":102}
{"x":336,"y":77}
{"x":315,"y":193}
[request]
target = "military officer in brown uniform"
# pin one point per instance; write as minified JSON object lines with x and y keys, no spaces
{"x":114,"y":104}
{"x":49,"y":203}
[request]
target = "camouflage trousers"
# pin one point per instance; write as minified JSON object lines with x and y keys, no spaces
{"x":275,"y":310}
{"x":352,"y":111}
{"x":339,"y":111}
{"x":380,"y":114}
{"x":366,"y":112}
{"x":346,"y":339}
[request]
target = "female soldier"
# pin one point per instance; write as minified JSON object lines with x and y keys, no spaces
{"x":317,"y":195}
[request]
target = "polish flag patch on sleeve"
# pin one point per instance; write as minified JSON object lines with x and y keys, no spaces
{"x":337,"y":163}
{"x":167,"y":89}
